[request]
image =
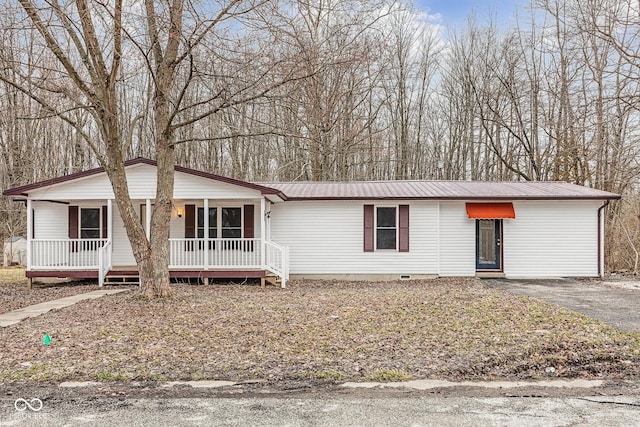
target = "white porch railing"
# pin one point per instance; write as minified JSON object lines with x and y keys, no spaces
{"x":229,"y":254}
{"x":67,"y":254}
{"x":104,"y":259}
{"x":277,"y":261}
{"x":204,"y":254}
{"x":214,"y":253}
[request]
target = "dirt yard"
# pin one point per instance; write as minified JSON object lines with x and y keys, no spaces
{"x":317,"y":332}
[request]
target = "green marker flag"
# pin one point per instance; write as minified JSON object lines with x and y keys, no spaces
{"x":47,"y":339}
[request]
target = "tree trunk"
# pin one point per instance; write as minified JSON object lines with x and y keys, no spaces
{"x":157,"y":284}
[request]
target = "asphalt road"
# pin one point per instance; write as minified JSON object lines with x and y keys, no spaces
{"x":332,"y":411}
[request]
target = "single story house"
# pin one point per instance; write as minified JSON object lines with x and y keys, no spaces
{"x":225,"y":228}
{"x":14,"y":251}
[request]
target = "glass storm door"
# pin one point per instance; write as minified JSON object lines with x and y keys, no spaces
{"x":488,"y":247}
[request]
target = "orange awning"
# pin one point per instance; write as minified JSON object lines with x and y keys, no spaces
{"x":490,"y":210}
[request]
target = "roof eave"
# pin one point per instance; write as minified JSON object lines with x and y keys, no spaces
{"x":23,"y":191}
{"x":457,"y":198}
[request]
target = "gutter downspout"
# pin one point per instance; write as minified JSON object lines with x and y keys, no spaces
{"x":438,"y":208}
{"x":600,"y":238}
{"x":30,"y":236}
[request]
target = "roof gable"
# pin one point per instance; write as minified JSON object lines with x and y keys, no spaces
{"x":29,"y":188}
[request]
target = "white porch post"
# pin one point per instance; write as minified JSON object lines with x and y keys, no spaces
{"x":29,"y":232}
{"x":263,"y":222}
{"x":110,"y":228}
{"x":147,"y":225}
{"x":206,"y":234}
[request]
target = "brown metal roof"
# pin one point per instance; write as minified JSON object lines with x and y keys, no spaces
{"x":376,"y":190}
{"x":441,"y":190}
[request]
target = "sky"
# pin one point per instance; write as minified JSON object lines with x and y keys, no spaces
{"x":454,"y":12}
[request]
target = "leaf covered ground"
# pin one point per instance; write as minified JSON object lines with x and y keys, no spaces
{"x":316,"y":331}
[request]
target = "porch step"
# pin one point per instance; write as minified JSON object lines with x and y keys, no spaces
{"x":121,"y":280}
{"x":272,"y":280}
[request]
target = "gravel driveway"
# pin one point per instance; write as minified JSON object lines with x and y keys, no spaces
{"x":616,"y":303}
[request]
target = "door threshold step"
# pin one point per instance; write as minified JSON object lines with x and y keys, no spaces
{"x":490,"y":274}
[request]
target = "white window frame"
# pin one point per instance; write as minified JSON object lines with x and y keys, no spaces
{"x":218,"y":226}
{"x":100,"y":219}
{"x":376,"y":228}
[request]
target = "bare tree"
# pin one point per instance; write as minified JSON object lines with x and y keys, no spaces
{"x":99,"y":46}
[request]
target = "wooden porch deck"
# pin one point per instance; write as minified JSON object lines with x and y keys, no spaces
{"x":132,"y":272}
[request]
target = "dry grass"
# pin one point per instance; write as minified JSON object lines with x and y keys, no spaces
{"x":12,"y":276}
{"x":317,"y":331}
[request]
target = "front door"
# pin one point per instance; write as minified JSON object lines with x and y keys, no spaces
{"x":488,"y":247}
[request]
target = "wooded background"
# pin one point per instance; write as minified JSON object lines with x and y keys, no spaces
{"x":364,"y":90}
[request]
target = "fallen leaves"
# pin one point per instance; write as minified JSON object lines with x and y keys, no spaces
{"x":317,"y":331}
{"x":16,"y":296}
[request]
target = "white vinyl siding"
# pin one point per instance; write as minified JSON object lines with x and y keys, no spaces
{"x":457,"y":241}
{"x":122,"y":254}
{"x":142,"y":185}
{"x":552,"y":239}
{"x":326,"y":237}
{"x":51,"y":220}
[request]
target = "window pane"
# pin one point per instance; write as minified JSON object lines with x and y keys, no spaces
{"x":200,"y":217}
{"x":89,"y":234}
{"x":90,"y":218}
{"x":231,"y":233}
{"x":386,"y":239}
{"x":487,"y":253}
{"x":386,"y":217}
{"x":90,"y":224}
{"x":213,"y":217}
{"x":231,"y":217}
{"x":213,"y":223}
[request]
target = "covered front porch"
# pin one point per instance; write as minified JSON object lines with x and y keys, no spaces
{"x":208,"y":239}
{"x":219,"y":226}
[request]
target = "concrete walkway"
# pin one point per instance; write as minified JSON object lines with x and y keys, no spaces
{"x":16,"y":316}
